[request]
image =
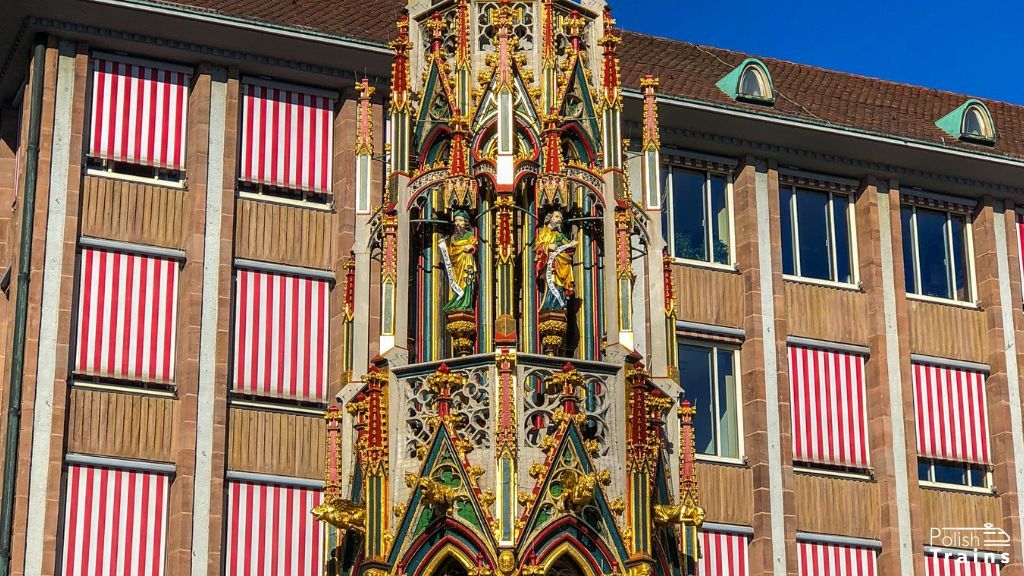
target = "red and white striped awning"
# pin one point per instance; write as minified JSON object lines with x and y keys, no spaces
{"x":723,"y":554}
{"x":287,"y":136}
{"x":829,"y":407}
{"x":818,"y":559}
{"x":281,"y":336}
{"x":1020,"y":243}
{"x":951,"y":413}
{"x":271,"y":531}
{"x":114,"y":522}
{"x":139,"y":113}
{"x":127,"y":311}
{"x":939,"y":565}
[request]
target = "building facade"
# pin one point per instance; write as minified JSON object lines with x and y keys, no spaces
{"x":481,"y":287}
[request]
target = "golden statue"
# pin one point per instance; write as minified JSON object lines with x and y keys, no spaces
{"x":577,"y":489}
{"x":435,"y":494}
{"x":458,"y":252}
{"x":685,"y":513}
{"x":554,"y":253}
{"x":342,"y":514}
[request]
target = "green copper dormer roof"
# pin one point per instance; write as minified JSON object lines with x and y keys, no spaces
{"x":750,"y":70}
{"x":971,"y":121}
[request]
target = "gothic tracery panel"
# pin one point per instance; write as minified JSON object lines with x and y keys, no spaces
{"x":473,"y":401}
{"x":522,"y":28}
{"x":539,"y":407}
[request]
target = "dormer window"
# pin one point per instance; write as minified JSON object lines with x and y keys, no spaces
{"x":971,"y":122}
{"x":753,"y":84}
{"x":977,"y":124}
{"x":749,"y":82}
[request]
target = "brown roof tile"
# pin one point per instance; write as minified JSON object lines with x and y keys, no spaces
{"x":815,"y":94}
{"x":368,"y":20}
{"x":687,"y":71}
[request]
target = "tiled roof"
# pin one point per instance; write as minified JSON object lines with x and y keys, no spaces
{"x":687,"y":71}
{"x":366,"y":20}
{"x":815,"y":94}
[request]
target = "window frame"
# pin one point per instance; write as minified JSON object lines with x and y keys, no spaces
{"x":763,"y":85}
{"x":277,"y":193}
{"x":987,"y":487}
{"x":734,"y":350}
{"x":970,"y":281}
{"x":264,"y":401}
{"x":988,"y":133}
{"x":851,"y":223}
{"x":128,"y":171}
{"x":668,"y":205}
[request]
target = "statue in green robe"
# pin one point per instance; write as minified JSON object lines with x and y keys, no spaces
{"x":458,"y":252}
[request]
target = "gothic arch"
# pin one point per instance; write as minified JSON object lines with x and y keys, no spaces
{"x":567,"y":561}
{"x":448,"y":561}
{"x":450,"y":567}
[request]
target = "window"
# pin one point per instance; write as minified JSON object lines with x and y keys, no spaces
{"x":952,"y":473}
{"x":827,"y":559}
{"x":723,"y":553}
{"x":754,"y":83}
{"x":138,"y":117}
{"x":1020,"y":243}
{"x":750,"y":82}
{"x":127,"y":315}
{"x":697,"y":218}
{"x":829,"y":408}
{"x":936,"y":253}
{"x":816,"y":234}
{"x":257,"y":517}
{"x":971,"y":121}
{"x":281,"y":336}
{"x":956,"y":455}
{"x":124,"y":511}
{"x":711,"y":384}
{"x":975,"y":123}
{"x":287,"y":139}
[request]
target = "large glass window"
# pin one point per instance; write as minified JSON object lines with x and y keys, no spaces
{"x":697,"y":222}
{"x":816,"y":237}
{"x":709,"y":378}
{"x":936,"y":254}
{"x":952,"y":473}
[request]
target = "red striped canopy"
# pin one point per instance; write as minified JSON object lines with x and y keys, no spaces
{"x":835,"y":560}
{"x":114,"y":522}
{"x":139,"y":114}
{"x":1020,"y":243}
{"x":939,"y":565}
{"x":271,"y":532}
{"x":951,"y":413}
{"x":723,"y":554}
{"x":829,"y":407}
{"x":281,"y":336}
{"x":286,"y":138}
{"x":127,"y":311}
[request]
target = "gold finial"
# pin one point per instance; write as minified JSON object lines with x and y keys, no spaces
{"x":436,"y":25}
{"x":649,"y":81}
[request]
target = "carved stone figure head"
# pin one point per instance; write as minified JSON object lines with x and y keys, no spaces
{"x":461,"y":221}
{"x":506,"y":562}
{"x":554,"y":220}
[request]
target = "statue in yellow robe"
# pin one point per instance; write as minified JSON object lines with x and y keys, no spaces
{"x":458,"y":252}
{"x":554,"y":252}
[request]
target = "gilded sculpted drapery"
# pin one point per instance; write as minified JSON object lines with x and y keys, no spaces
{"x":461,"y":264}
{"x":555,"y":252}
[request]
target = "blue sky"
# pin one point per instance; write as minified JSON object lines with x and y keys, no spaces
{"x":970,"y":47}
